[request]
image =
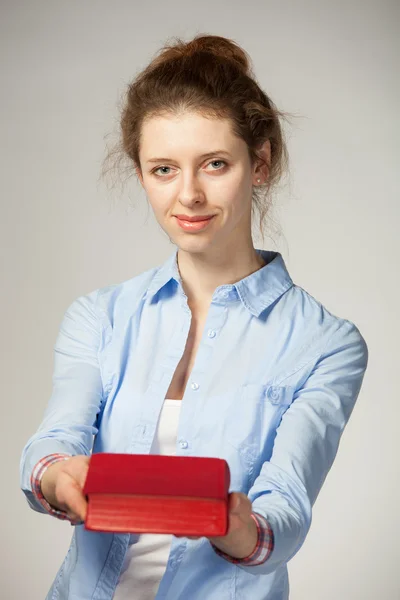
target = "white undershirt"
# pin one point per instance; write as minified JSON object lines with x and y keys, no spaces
{"x":146,"y":560}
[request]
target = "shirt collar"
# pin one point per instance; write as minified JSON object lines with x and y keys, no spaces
{"x":257,"y":291}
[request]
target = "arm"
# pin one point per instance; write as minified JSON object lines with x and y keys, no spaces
{"x":69,"y":421}
{"x":305,"y":447}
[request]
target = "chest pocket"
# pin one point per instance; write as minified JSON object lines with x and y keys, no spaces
{"x":255,"y":419}
{"x":277,"y":395}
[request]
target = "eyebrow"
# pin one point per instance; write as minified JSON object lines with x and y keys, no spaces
{"x":202,"y":157}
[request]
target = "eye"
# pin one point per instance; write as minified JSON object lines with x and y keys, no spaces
{"x":158,"y":169}
{"x":218,"y":162}
{"x":163,"y":170}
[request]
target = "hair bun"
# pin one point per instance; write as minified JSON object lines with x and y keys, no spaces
{"x":213,"y":44}
{"x":222,"y":47}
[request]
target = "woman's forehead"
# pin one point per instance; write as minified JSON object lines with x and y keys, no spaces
{"x":164,"y":136}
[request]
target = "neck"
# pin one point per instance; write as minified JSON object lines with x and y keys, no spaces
{"x":202,"y":273}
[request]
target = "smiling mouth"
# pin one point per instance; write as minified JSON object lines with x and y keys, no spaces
{"x":194,"y":224}
{"x":194,"y":219}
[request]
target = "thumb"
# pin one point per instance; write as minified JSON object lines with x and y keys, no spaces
{"x":235,"y":503}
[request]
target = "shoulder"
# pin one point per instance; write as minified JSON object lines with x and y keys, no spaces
{"x":106,"y":304}
{"x":316,"y":324}
{"x":127,"y":293}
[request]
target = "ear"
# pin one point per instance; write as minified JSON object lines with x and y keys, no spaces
{"x":261,"y":168}
{"x":139,"y":175}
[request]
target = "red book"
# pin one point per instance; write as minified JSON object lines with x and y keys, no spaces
{"x":151,"y":493}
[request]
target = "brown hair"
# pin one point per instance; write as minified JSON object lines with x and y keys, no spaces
{"x":211,"y":75}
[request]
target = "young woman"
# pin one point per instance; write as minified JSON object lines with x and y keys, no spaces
{"x":214,"y":353}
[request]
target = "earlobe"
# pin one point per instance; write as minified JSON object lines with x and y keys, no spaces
{"x":261,"y":172}
{"x":139,"y":175}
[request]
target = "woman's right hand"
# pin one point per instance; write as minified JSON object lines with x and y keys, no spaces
{"x":62,"y":484}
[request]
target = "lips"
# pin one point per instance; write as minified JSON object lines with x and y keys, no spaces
{"x":192,"y":224}
{"x":194,"y":219}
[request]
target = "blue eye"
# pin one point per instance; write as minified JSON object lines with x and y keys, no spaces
{"x":221,"y":162}
{"x":164,"y":170}
{"x":158,"y":168}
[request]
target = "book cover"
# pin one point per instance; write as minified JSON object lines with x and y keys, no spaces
{"x":141,"y":493}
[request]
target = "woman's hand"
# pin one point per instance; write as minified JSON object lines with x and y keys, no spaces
{"x":241,"y":539}
{"x":62,"y":484}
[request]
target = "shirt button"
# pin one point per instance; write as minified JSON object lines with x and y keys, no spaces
{"x":183,"y":444}
{"x":225,"y":294}
{"x":273,"y":394}
{"x":211,"y":333}
{"x":195,"y":386}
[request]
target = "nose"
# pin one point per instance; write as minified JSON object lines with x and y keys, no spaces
{"x":190,"y":192}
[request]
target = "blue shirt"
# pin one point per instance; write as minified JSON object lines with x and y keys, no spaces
{"x":275,"y":380}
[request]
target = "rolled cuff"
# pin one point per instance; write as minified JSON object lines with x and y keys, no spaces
{"x":264,"y":546}
{"x":36,"y":479}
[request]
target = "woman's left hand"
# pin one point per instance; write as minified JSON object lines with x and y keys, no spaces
{"x":241,"y":539}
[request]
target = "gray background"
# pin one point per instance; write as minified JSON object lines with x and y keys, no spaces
{"x":64,"y":66}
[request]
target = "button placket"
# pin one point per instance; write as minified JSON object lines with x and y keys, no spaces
{"x":215,"y":321}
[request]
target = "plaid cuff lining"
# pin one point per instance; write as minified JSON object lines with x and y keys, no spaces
{"x":264,"y":546}
{"x":36,"y":477}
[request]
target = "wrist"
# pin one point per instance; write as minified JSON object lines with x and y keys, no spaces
{"x":243,"y":548}
{"x":48,"y":483}
{"x":43,"y":480}
{"x":264,"y":545}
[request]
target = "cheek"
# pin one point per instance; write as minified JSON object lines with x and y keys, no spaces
{"x":235,"y":203}
{"x":234,"y":195}
{"x":160,"y":201}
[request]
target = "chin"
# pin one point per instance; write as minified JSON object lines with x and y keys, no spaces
{"x":192,"y":244}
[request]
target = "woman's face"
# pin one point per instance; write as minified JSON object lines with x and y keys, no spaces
{"x":194,"y":167}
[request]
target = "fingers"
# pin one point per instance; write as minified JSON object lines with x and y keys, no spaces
{"x":84,"y":467}
{"x":69,"y":490}
{"x":70,"y":497}
{"x":239,"y":504}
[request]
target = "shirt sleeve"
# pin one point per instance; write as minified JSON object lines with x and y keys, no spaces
{"x":36,"y":481}
{"x":306,"y":444}
{"x":264,"y":545}
{"x":70,"y":419}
